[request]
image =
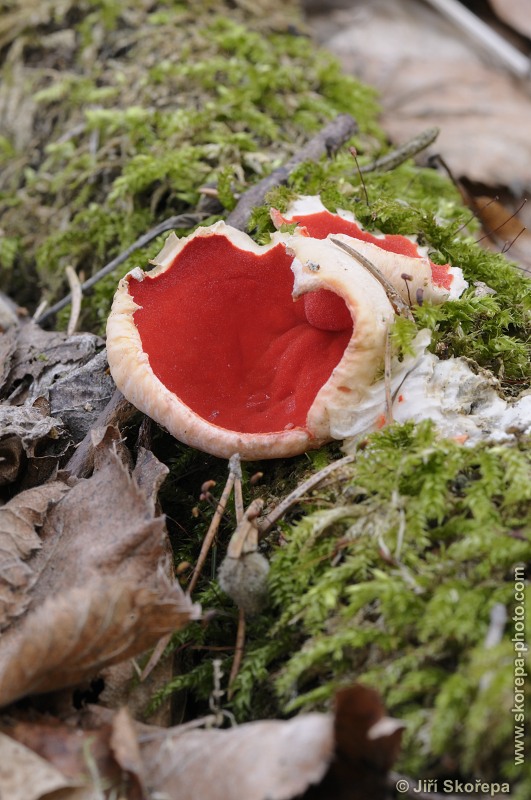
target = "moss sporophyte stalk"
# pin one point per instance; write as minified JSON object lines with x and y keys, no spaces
{"x":391,"y":574}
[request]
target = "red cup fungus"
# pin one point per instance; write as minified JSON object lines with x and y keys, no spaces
{"x":239,"y":348}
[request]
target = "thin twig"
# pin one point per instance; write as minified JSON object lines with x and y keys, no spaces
{"x":266,"y":523}
{"x":473,"y":26}
{"x":402,"y":153}
{"x":179,"y":221}
{"x":326,"y":142}
{"x":214,"y":524}
{"x":400,"y":307}
{"x":155,"y":656}
{"x":238,"y":652}
{"x":76,"y":294}
{"x":387,"y":378}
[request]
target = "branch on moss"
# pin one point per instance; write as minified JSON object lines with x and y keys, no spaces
{"x":266,"y":523}
{"x":179,"y":221}
{"x":326,"y":142}
{"x":402,"y":153}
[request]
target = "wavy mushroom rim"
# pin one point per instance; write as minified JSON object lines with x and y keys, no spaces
{"x":131,"y":369}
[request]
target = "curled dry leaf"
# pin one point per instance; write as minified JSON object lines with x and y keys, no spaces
{"x":41,"y":357}
{"x":514,"y":13}
{"x":18,"y":540}
{"x":27,"y":436}
{"x":24,"y":775}
{"x":99,"y":590}
{"x":341,"y":755}
{"x":81,"y":395}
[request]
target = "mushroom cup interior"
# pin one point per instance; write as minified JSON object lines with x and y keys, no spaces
{"x":223,"y":333}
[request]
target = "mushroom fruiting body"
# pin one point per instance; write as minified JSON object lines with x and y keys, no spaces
{"x":215,"y":344}
{"x":393,"y":254}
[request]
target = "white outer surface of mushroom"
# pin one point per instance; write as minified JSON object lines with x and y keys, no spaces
{"x":318,"y":264}
{"x":357,"y":369}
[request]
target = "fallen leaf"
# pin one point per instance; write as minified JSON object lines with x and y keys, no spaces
{"x":18,"y":540}
{"x":514,"y":13}
{"x":126,"y":751}
{"x":41,"y":357}
{"x":27,"y":440}
{"x":429,"y":74}
{"x":81,"y":759}
{"x":99,"y":591}
{"x":342,"y":755}
{"x":24,"y":775}
{"x":79,"y":396}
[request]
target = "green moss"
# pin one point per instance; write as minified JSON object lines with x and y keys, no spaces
{"x":154,"y":101}
{"x":391,"y":575}
{"x":391,"y":580}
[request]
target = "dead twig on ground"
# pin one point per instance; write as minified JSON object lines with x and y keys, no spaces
{"x":400,"y":154}
{"x":400,"y":307}
{"x":266,"y":523}
{"x":76,"y":294}
{"x":179,"y":221}
{"x":326,"y":142}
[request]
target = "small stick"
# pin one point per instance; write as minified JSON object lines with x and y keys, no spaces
{"x":267,"y":522}
{"x":240,"y":632}
{"x":473,"y":26}
{"x":76,"y":293}
{"x":354,"y":154}
{"x":387,"y":378}
{"x":402,"y":153}
{"x":238,"y":652}
{"x":238,"y":494}
{"x":155,"y":656}
{"x":214,"y":524}
{"x":401,"y":308}
{"x":179,"y":221}
{"x":325,"y":142}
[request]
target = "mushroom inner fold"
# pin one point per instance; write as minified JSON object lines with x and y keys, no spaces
{"x":223,"y":333}
{"x":322,"y":223}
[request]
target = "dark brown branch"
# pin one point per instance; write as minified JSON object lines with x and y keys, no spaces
{"x":326,"y":142}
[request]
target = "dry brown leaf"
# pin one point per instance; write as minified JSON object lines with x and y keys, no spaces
{"x":82,"y":759}
{"x":429,"y":73}
{"x":126,"y":751}
{"x":80,"y":396}
{"x":30,"y":442}
{"x":24,"y":775}
{"x":514,"y":13}
{"x":18,"y":539}
{"x":99,"y":592}
{"x":41,"y":357}
{"x":505,"y":228}
{"x":344,"y":756}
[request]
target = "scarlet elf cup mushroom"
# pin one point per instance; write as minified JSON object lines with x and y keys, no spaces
{"x":239,"y":348}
